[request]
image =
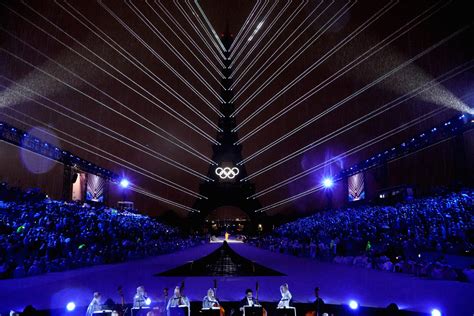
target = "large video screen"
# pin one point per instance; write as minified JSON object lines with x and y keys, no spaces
{"x":95,"y":188}
{"x":356,"y":187}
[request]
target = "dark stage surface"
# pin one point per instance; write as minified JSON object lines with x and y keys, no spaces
{"x":338,"y":283}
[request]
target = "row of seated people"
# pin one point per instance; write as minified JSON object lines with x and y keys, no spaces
{"x":178,"y":302}
{"x":40,"y":236}
{"x":392,"y":238}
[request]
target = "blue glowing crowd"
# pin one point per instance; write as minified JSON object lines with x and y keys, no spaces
{"x":39,"y":235}
{"x":412,"y":237}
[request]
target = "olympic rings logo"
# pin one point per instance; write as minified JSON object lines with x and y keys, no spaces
{"x":227,"y":172}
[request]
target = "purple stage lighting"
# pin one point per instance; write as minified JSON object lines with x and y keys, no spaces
{"x":71,"y":306}
{"x":435,"y":312}
{"x":328,"y":182}
{"x":124,"y":183}
{"x":353,"y":304}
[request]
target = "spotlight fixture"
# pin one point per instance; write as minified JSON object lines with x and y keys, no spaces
{"x":353,"y":304}
{"x":71,"y":306}
{"x":124,"y":183}
{"x":435,"y":312}
{"x":328,"y":182}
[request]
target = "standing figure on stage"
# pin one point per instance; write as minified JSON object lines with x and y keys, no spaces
{"x":318,"y":302}
{"x":210,"y":300}
{"x":140,"y":299}
{"x":177,"y":299}
{"x":285,"y":296}
{"x":94,"y":305}
{"x":248,"y":300}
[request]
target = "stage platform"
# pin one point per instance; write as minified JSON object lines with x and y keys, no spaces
{"x":338,"y":283}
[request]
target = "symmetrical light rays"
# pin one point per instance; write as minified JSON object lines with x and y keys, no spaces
{"x":186,"y":35}
{"x":379,"y":80}
{"x":30,"y":95}
{"x":178,"y":38}
{"x":203,"y":14}
{"x":254,"y":21}
{"x":273,"y":58}
{"x":245,"y":25}
{"x":316,"y":64}
{"x":219,"y":57}
{"x":357,"y":149}
{"x":155,"y":53}
{"x":269,"y":42}
{"x":169,"y":136}
{"x":348,"y":67}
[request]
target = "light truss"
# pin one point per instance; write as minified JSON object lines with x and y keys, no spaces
{"x":116,"y":160}
{"x":110,"y":132}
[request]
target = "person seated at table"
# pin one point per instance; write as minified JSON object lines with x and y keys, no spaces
{"x":210,"y":300}
{"x":177,"y":299}
{"x":248,"y":300}
{"x":285,"y":297}
{"x":140,"y":298}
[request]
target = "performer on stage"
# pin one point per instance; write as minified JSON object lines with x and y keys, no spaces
{"x":210,"y":300}
{"x":248,"y":300}
{"x":94,"y":305}
{"x":285,"y":296}
{"x":318,"y":303}
{"x":177,"y":299}
{"x":139,"y":300}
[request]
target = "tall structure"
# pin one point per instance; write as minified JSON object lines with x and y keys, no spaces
{"x":227,"y":189}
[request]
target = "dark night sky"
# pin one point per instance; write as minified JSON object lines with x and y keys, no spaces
{"x":127,"y":88}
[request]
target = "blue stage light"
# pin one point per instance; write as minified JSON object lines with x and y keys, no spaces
{"x":435,"y":312}
{"x":328,"y":182}
{"x":124,"y":183}
{"x":71,"y":306}
{"x":353,"y":304}
{"x":148,"y":301}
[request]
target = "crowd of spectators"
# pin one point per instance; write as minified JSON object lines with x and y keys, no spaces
{"x":39,"y":235}
{"x":392,"y":238}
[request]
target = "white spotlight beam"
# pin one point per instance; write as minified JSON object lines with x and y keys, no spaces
{"x":110,"y":132}
{"x":258,"y":27}
{"x":155,"y":53}
{"x":401,"y":128}
{"x":316,"y":64}
{"x":350,"y":97}
{"x":198,"y":59}
{"x":203,"y":14}
{"x":170,"y":138}
{"x":164,"y":200}
{"x":135,"y":9}
{"x":172,"y":113}
{"x":117,"y":160}
{"x":386,"y":107}
{"x":275,"y":35}
{"x":121,"y":51}
{"x":198,"y":32}
{"x":251,"y":27}
{"x":348,"y":67}
{"x":184,"y":33}
{"x":272,"y":59}
{"x":244,"y":26}
{"x":212,"y":37}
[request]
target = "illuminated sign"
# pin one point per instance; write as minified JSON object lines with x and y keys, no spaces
{"x":227,"y":172}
